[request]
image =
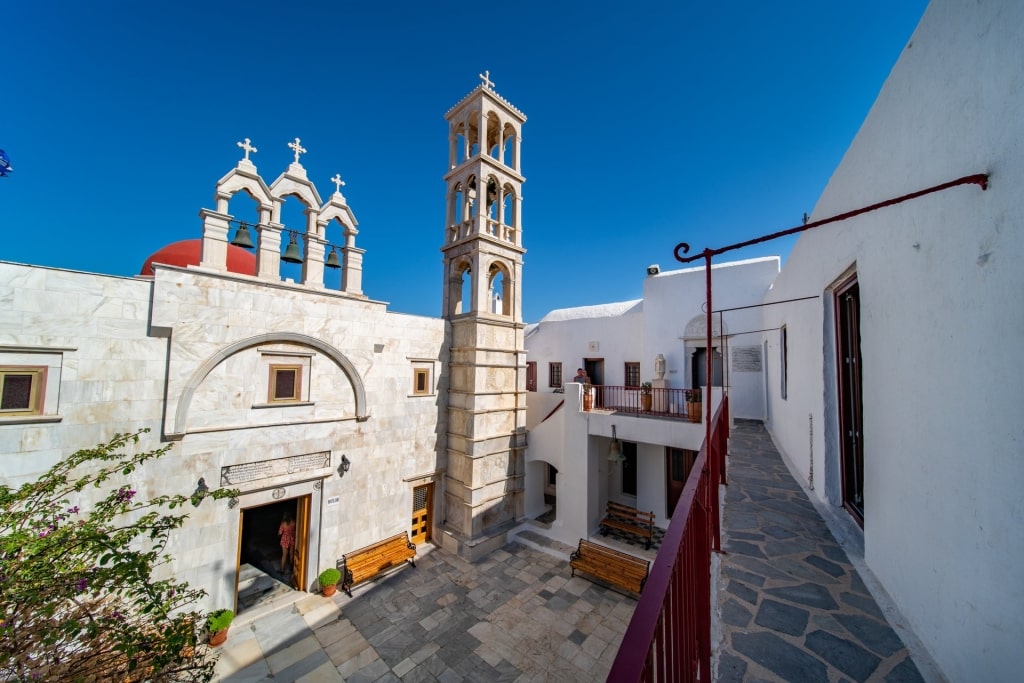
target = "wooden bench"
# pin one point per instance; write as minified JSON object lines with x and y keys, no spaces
{"x":366,"y":563}
{"x":630,"y":520}
{"x":615,"y":567}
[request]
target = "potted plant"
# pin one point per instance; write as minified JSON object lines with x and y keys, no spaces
{"x":329,"y":579}
{"x":694,"y":405}
{"x":588,"y":396}
{"x":645,"y":396}
{"x":217,"y":624}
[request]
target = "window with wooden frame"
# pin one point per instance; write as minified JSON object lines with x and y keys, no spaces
{"x":632,"y":374}
{"x":22,"y":389}
{"x":420,"y":381}
{"x":285,"y":384}
{"x":554,"y":374}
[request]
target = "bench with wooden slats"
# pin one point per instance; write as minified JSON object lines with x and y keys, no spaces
{"x":630,"y":520}
{"x":366,"y":563}
{"x":611,"y":566}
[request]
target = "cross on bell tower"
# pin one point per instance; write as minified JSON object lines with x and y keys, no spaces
{"x":483,"y":264}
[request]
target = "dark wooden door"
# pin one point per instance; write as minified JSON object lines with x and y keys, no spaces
{"x":531,"y":375}
{"x":678,"y":463}
{"x":850,"y":417}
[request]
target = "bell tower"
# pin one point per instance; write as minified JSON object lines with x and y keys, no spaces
{"x":483,"y":265}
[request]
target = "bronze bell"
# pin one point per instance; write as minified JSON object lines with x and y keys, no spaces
{"x":291,"y":252}
{"x":242,"y":237}
{"x":332,"y":259}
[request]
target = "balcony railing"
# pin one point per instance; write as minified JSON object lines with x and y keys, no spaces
{"x":669,"y":636}
{"x":657,"y":403}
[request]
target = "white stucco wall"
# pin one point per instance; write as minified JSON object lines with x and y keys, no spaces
{"x":673,"y":299}
{"x":941,"y":316}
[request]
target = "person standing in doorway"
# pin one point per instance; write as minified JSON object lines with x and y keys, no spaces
{"x":581,"y":377}
{"x":287,"y":533}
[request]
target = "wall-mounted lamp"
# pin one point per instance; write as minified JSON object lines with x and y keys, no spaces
{"x":615,"y":449}
{"x":344,"y":466}
{"x":202,"y":490}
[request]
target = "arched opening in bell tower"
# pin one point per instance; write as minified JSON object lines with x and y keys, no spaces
{"x":460,"y":292}
{"x":508,"y":144}
{"x":499,"y":291}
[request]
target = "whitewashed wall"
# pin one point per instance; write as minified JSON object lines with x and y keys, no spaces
{"x":941,"y":319}
{"x":673,"y":298}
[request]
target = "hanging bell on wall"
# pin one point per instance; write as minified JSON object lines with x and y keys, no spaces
{"x":243,"y":238}
{"x":291,"y":252}
{"x":332,"y":259}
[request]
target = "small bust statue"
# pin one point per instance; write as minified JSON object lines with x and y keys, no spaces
{"x":659,"y":366}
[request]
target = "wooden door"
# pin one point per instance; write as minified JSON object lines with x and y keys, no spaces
{"x":531,"y":375}
{"x":300,"y":548}
{"x":422,"y":501}
{"x":678,"y":463}
{"x":850,"y":418}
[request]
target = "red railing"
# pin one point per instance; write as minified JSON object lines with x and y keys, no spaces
{"x":656,"y":402}
{"x":669,"y":636}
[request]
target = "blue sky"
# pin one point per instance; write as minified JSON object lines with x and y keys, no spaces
{"x":649,"y":123}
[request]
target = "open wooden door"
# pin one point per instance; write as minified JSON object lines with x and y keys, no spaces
{"x":300,"y":549}
{"x":422,"y":501}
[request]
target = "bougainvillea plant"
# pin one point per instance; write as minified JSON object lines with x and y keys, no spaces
{"x":80,"y":559}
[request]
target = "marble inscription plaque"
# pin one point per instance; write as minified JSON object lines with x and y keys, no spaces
{"x":265,"y":469}
{"x":746,"y":359}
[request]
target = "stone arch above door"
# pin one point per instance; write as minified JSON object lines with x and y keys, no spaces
{"x":697,"y":328}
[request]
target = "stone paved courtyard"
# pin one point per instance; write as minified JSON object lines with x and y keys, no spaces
{"x":515,"y":616}
{"x":790,"y":608}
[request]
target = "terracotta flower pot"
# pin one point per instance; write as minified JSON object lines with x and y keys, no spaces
{"x":329,"y":590}
{"x":218,"y":638}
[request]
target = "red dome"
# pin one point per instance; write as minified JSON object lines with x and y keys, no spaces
{"x":187,"y":253}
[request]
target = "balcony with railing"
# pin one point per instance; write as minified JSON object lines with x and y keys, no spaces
{"x":675,"y":404}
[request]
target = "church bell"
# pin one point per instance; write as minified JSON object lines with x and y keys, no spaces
{"x":291,"y":252}
{"x":242,"y":237}
{"x":332,"y":259}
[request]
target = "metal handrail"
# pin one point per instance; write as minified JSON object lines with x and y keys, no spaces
{"x":669,"y":636}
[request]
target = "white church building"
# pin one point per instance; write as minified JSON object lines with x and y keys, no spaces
{"x":312,"y":402}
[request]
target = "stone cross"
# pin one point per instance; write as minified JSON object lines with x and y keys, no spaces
{"x":297,"y":148}
{"x":486,"y":78}
{"x":247,"y":147}
{"x":338,"y":183}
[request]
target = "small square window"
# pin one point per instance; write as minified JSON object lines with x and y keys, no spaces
{"x":420,"y":381}
{"x":21,"y":390}
{"x":554,"y":374}
{"x":285,"y":384}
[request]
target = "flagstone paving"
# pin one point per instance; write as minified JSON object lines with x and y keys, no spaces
{"x":791,"y":605}
{"x":517,"y":615}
